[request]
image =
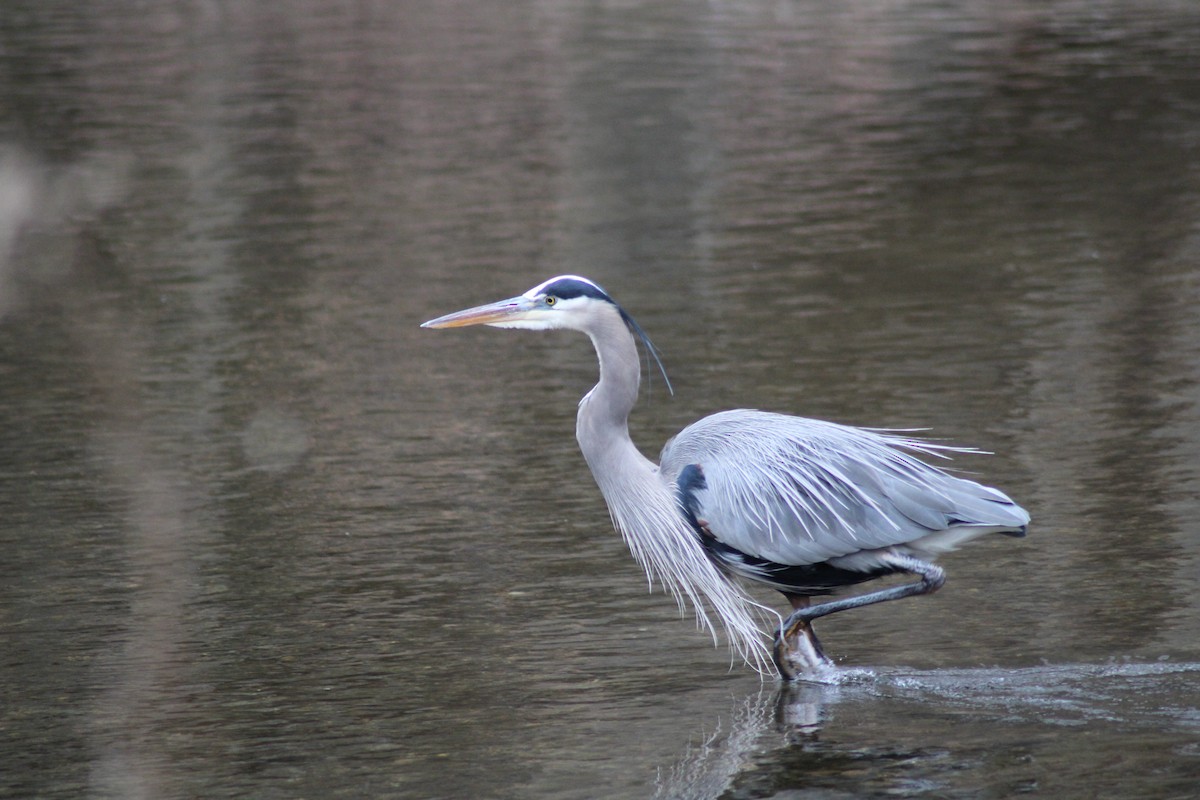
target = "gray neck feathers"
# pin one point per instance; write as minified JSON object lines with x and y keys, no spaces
{"x":643,"y":506}
{"x":602,"y":426}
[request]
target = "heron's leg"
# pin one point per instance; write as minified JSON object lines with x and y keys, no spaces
{"x":932,"y":578}
{"x":797,"y":649}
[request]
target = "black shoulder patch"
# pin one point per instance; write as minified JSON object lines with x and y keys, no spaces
{"x":690,"y":481}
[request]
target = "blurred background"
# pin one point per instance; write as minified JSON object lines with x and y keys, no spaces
{"x":260,"y":535}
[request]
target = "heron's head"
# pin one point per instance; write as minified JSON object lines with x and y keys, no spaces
{"x":567,"y":301}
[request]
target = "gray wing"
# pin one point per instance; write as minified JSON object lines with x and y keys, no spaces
{"x":801,"y":491}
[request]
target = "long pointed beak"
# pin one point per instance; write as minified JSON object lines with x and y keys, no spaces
{"x":510,"y":310}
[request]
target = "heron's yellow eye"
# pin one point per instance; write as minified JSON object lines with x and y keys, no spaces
{"x":551,"y":300}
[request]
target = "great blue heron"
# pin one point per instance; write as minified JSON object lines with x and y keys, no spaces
{"x":800,"y":505}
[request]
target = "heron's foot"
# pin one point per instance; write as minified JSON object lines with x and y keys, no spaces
{"x":798,"y":653}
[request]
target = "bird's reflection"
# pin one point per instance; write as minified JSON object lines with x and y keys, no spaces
{"x":773,"y":737}
{"x":800,"y":706}
{"x":773,"y":717}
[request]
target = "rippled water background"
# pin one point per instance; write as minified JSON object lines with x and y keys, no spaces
{"x":261,"y":536}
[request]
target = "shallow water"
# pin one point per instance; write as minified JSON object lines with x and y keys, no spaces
{"x":263,"y":536}
{"x":1036,"y":730}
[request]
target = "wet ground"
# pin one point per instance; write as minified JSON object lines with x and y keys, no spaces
{"x":262,"y":536}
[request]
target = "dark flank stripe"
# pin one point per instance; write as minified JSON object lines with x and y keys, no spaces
{"x":797,"y":579}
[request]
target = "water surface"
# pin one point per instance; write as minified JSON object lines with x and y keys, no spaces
{"x":263,"y":536}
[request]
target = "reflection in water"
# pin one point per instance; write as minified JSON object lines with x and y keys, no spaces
{"x":772,"y":718}
{"x":775,"y":739}
{"x":274,"y":441}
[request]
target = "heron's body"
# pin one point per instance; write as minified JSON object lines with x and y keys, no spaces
{"x":800,"y":492}
{"x":801,"y":505}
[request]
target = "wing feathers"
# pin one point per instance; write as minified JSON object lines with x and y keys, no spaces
{"x":800,"y":491}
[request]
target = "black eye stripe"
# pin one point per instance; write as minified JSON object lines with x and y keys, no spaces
{"x":569,"y":288}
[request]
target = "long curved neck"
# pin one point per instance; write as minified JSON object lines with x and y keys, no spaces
{"x":602,"y":424}
{"x":643,"y":506}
